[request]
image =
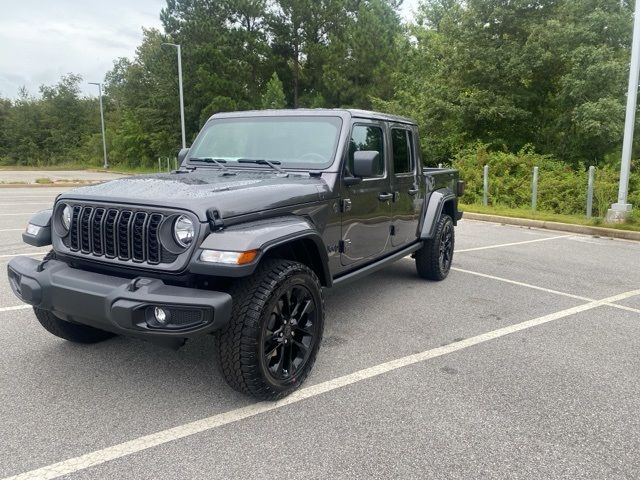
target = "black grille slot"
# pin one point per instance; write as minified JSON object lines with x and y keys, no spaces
{"x":110,"y":249}
{"x":139,"y":221}
{"x":85,"y":229}
{"x":153,"y":243}
{"x":110,"y":232}
{"x":74,"y":233}
{"x":124,"y":235}
{"x":97,"y":229}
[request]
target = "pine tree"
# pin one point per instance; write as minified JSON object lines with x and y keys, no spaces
{"x":273,"y":96}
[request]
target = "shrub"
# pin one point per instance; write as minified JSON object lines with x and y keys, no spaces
{"x":562,"y":188}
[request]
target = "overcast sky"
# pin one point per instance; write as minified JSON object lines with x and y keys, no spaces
{"x":41,"y":40}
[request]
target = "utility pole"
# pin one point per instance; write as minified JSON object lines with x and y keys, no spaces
{"x":592,"y":174}
{"x":104,"y":138}
{"x":485,"y":186}
{"x":620,"y":210}
{"x":179,"y":51}
{"x":534,"y":190}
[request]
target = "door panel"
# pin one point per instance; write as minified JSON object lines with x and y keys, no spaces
{"x":366,"y":206}
{"x":404,"y":182}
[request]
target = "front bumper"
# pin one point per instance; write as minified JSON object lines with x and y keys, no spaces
{"x":119,"y":305}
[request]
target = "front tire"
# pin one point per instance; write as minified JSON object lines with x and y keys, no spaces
{"x":433,"y":260}
{"x":73,"y":332}
{"x":271,"y":342}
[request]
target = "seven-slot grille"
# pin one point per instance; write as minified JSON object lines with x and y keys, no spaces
{"x":117,"y":233}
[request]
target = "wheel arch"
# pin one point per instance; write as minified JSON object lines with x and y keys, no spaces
{"x":290,"y":238}
{"x":42,"y":237}
{"x":440,"y":201}
{"x":307,"y":249}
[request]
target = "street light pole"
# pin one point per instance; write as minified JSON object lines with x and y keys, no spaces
{"x":620,"y":210}
{"x":104,"y":138}
{"x":179,"y":51}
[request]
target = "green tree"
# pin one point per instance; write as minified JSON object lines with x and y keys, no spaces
{"x":273,"y":96}
{"x":362,"y":56}
{"x":509,"y":73}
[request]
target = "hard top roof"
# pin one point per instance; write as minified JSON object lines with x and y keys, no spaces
{"x":342,"y":112}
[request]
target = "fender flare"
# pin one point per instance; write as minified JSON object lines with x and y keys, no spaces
{"x":42,"y":238}
{"x":433,"y":210}
{"x":262,"y":235}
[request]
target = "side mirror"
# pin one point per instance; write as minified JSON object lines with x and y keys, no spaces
{"x":366,"y":163}
{"x":182,"y":154}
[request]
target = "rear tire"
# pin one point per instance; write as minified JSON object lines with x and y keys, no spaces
{"x":433,"y":260}
{"x":271,"y":342}
{"x":72,"y":332}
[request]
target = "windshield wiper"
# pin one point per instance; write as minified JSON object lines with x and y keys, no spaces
{"x":261,"y":161}
{"x":218,"y":161}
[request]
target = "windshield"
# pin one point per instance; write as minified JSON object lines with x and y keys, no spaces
{"x":293,"y":141}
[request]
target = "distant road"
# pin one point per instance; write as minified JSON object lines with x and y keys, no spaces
{"x":30,"y":176}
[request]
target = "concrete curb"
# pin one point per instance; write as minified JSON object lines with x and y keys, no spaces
{"x":563,"y":227}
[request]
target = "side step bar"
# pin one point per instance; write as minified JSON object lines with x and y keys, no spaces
{"x":375,"y":266}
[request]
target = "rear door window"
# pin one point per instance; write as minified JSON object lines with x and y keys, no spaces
{"x":402,"y":146}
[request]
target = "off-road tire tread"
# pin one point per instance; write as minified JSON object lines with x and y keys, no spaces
{"x":237,"y":342}
{"x":428,"y":257}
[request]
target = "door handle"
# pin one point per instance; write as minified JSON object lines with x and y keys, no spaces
{"x":413,"y":191}
{"x":384,"y":197}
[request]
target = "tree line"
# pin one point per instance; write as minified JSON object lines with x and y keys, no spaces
{"x":548,"y":76}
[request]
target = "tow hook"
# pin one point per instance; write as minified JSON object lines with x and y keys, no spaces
{"x":138,"y":282}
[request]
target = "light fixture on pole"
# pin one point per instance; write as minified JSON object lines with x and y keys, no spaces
{"x":619,"y":211}
{"x":179,"y":51}
{"x":104,"y":138}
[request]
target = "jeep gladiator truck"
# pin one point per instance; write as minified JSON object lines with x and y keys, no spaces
{"x":267,"y":209}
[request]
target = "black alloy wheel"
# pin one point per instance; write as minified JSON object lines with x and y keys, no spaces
{"x":270,"y":344}
{"x":434,"y":259}
{"x":446,"y":247}
{"x":289,"y":334}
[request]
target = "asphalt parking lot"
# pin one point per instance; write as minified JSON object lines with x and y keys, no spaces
{"x":522,"y":364}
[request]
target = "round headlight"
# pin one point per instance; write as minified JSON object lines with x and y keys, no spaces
{"x":66,"y":217}
{"x":184,"y":231}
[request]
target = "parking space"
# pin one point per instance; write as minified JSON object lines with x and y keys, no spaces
{"x":513,"y":367}
{"x":597,"y":268}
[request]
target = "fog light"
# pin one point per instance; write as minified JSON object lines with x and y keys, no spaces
{"x":160,"y":315}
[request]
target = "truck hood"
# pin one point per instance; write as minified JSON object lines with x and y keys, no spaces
{"x":204,"y":188}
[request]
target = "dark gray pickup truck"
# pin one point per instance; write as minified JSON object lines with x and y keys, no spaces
{"x":267,"y":209}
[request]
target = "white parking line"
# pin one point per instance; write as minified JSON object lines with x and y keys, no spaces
{"x":23,"y":203}
{"x":624,"y":307}
{"x":17,"y":307}
{"x":521,"y":284}
{"x":27,"y":254}
{"x":542,"y":289}
{"x":10,"y":197}
{"x":15,"y":214}
{"x":535,"y":287}
{"x":12,"y":230}
{"x":104,"y":455}
{"x":489,"y":247}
